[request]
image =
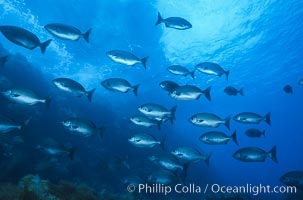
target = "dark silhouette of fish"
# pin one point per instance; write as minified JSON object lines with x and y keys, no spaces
{"x":3,"y":60}
{"x":288,"y":89}
{"x":252,"y":132}
{"x":23,"y":37}
{"x":231,"y":91}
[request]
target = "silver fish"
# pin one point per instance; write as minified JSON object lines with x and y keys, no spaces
{"x":169,"y":86}
{"x":73,"y":87}
{"x":144,"y":140}
{"x":120,"y":85}
{"x":189,"y":92}
{"x":126,"y":58}
{"x":293,"y":178}
{"x":255,"y":154}
{"x":157,"y":112}
{"x":57,"y":151}
{"x":167,"y":162}
{"x":251,"y":118}
{"x":67,"y":32}
{"x":7,"y":125}
{"x":145,"y":121}
{"x":180,"y":70}
{"x":174,"y":22}
{"x":252,"y":132}
{"x":23,"y":37}
{"x":300,"y":82}
{"x":209,"y":120}
{"x":24,"y":96}
{"x":82,"y":127}
{"x":211,"y":69}
{"x":215,"y":137}
{"x":189,"y":154}
{"x":165,"y":177}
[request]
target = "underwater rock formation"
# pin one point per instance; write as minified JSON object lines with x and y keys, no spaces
{"x":32,"y":187}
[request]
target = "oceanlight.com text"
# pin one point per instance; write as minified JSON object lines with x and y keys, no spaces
{"x":211,"y":188}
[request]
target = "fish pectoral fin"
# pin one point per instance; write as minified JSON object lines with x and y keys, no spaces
{"x":138,"y":140}
{"x":15,"y":95}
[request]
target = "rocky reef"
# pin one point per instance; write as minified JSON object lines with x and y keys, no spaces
{"x":32,"y":187}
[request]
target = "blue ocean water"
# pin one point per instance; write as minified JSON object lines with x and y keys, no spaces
{"x":260,"y":42}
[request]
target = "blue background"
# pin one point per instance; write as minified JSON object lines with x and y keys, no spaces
{"x":260,"y":42}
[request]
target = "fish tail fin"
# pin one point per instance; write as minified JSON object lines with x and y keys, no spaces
{"x":159,"y":123}
{"x":71,"y":153}
{"x":267,"y":118}
{"x":162,"y":142}
{"x":172,"y":114}
{"x":207,"y":159}
{"x":89,"y":94}
{"x":184,"y":172}
{"x":101,"y":132}
{"x":263,"y":133}
{"x":44,"y":45}
{"x":25,"y":123}
{"x":86,"y":35}
{"x":3,"y":60}
{"x":227,"y":122}
{"x":47,"y":101}
{"x":273,"y":154}
{"x":143,"y":61}
{"x":207,"y":93}
{"x":241,"y":92}
{"x":192,"y":73}
{"x":234,"y":137}
{"x":227,"y":74}
{"x":135,"y":89}
{"x":159,"y":20}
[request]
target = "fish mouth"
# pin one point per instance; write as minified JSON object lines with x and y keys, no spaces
{"x":236,"y":155}
{"x":191,"y":119}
